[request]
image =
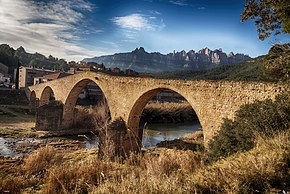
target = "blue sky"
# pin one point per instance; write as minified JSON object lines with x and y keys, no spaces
{"x":77,"y":29}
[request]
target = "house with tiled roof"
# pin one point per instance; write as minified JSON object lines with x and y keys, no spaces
{"x":49,"y":77}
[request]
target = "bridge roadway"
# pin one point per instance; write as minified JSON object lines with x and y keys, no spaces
{"x":127,"y":96}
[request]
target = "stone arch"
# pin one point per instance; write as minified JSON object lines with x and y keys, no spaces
{"x":33,"y":102}
{"x":46,"y":96}
{"x":139,"y":105}
{"x":70,"y":101}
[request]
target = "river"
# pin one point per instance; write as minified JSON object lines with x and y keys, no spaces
{"x":152,"y":135}
{"x":155,"y":133}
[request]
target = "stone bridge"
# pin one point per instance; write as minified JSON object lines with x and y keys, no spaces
{"x":127,"y":96}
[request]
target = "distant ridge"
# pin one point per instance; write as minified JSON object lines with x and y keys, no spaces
{"x":142,"y":61}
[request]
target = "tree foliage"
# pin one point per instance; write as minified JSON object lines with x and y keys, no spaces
{"x":10,"y":57}
{"x":276,"y":66}
{"x":259,"y":118}
{"x":269,"y":15}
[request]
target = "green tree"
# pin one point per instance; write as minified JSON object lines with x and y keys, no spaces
{"x":33,"y":63}
{"x":276,"y":66}
{"x":269,"y":15}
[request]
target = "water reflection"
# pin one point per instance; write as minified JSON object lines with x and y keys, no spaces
{"x":155,"y":133}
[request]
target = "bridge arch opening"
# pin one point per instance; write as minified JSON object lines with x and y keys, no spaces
{"x":162,"y":114}
{"x":86,"y":106}
{"x":47,"y":95}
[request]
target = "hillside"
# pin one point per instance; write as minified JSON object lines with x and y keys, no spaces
{"x":9,"y":56}
{"x":249,"y":70}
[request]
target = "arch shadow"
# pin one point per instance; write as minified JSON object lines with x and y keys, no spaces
{"x":46,"y":96}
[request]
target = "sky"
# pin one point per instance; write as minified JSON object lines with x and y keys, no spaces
{"x":77,"y":29}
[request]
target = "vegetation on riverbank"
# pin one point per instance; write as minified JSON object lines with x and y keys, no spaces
{"x":168,"y":112}
{"x":262,"y":118}
{"x":262,"y":168}
{"x":49,"y":170}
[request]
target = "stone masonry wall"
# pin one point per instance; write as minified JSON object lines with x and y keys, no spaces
{"x":126,"y":96}
{"x":49,"y":117}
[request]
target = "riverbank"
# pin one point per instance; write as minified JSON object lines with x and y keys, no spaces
{"x":16,"y":121}
{"x":178,"y":166}
{"x":157,"y":170}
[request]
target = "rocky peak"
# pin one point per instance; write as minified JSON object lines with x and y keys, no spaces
{"x":21,"y":49}
{"x":231,"y":54}
{"x":139,"y":50}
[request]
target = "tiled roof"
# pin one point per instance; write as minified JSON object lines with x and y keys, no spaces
{"x":57,"y":75}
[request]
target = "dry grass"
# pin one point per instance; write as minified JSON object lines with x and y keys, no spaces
{"x":196,"y":136}
{"x":39,"y":161}
{"x":93,"y":116}
{"x":80,"y":177}
{"x":257,"y":170}
{"x":157,"y":171}
{"x":162,"y":172}
{"x":170,"y":161}
{"x":11,"y":184}
{"x":17,"y":130}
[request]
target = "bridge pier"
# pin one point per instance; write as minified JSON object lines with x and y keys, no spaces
{"x":49,"y":116}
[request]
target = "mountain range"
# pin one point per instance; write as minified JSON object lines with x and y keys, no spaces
{"x":12,"y":57}
{"x":142,"y":61}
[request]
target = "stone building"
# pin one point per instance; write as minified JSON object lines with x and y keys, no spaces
{"x":83,"y":68}
{"x":49,"y":77}
{"x":27,"y":75}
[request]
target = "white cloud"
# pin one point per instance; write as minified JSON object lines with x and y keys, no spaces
{"x":154,"y":12}
{"x":47,"y":28}
{"x":201,"y":8}
{"x":179,"y":2}
{"x":134,"y":22}
{"x":133,"y":25}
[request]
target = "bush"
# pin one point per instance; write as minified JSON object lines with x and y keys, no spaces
{"x":259,"y":118}
{"x":39,"y":161}
{"x":93,"y":116}
{"x":276,"y":66}
{"x":256,"y":171}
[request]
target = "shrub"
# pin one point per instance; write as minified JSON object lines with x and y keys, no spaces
{"x":261,"y":117}
{"x":276,"y":66}
{"x":93,"y":116}
{"x":39,"y":161}
{"x":256,"y":171}
{"x":110,"y":139}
